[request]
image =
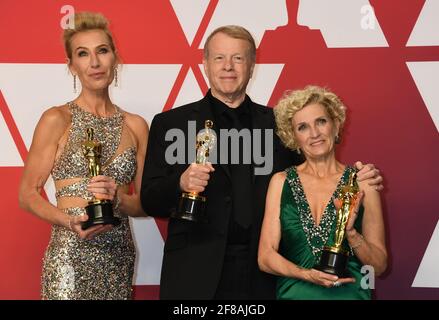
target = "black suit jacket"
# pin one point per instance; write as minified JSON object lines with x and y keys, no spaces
{"x":194,"y":252}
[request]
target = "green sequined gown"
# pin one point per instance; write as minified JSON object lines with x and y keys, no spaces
{"x":302,"y":242}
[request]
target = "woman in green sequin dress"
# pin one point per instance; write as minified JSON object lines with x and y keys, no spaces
{"x":300,"y":209}
{"x":97,"y":263}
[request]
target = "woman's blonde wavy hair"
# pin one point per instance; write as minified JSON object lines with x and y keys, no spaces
{"x":296,"y":100}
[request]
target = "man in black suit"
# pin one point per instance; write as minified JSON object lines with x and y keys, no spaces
{"x":217,"y":259}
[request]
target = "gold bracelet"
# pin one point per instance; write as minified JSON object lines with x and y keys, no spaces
{"x":359,"y":243}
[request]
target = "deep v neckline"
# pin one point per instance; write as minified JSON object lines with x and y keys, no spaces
{"x":316,"y":235}
{"x":328,"y":203}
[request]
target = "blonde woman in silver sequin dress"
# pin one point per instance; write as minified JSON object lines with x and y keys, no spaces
{"x":97,"y":263}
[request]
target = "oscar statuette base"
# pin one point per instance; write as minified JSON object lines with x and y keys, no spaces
{"x":100,"y":212}
{"x":191,"y":207}
{"x":334,"y":261}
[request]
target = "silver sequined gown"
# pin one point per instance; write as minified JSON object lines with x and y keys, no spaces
{"x":101,"y":268}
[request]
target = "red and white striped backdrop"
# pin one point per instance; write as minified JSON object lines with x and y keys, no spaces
{"x":385,"y":67}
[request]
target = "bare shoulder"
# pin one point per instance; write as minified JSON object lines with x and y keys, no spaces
{"x":57,"y":113}
{"x":274,"y":192}
{"x":278,"y":179}
{"x":52,"y":125}
{"x":55,"y":119}
{"x":135,"y":119}
{"x":281,"y":176}
{"x":136,"y":123}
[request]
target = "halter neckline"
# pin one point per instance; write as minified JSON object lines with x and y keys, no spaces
{"x":74,"y":104}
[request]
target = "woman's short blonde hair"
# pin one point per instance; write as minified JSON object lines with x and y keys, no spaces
{"x":296,"y":100}
{"x":86,"y":21}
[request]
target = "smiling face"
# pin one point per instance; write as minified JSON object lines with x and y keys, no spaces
{"x":315,"y":131}
{"x":228,"y":67}
{"x":93,"y":60}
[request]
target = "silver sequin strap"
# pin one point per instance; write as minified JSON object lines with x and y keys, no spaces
{"x":77,"y":189}
{"x":123,"y":167}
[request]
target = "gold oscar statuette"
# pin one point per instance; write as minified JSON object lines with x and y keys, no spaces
{"x":192,"y":205}
{"x":98,"y":211}
{"x":334,"y":258}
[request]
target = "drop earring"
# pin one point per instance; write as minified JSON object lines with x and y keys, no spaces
{"x":116,"y":83}
{"x":74,"y":83}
